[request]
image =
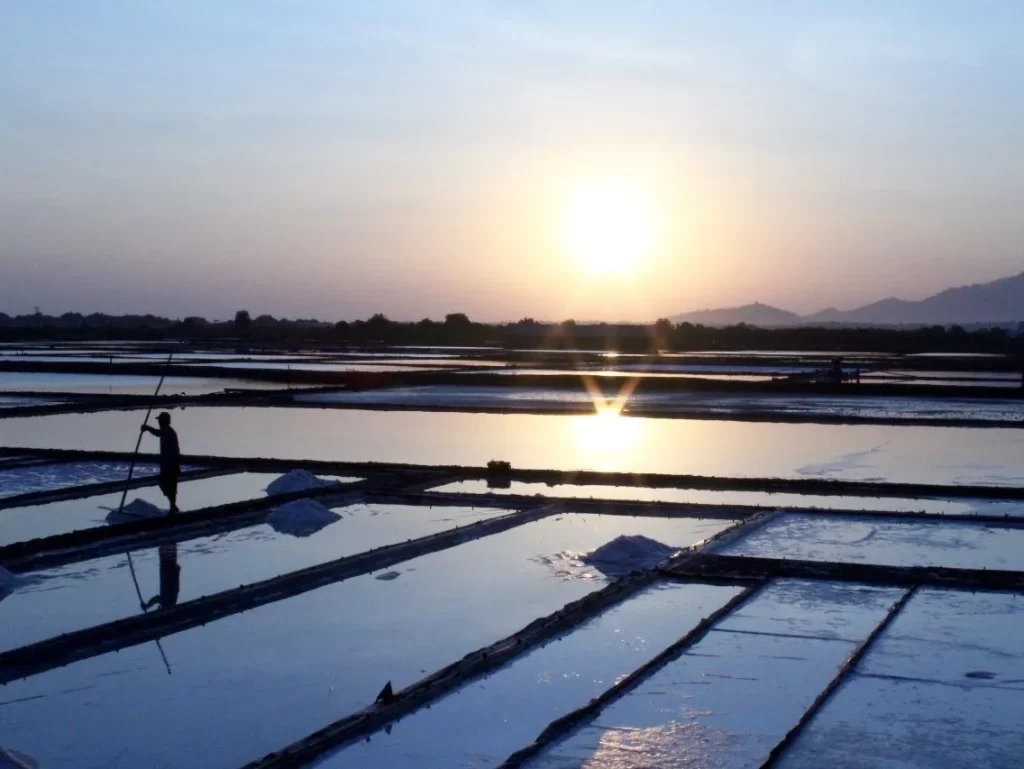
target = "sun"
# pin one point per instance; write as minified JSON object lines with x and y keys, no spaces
{"x":609,"y":227}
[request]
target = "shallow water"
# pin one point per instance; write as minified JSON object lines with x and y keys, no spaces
{"x":754,"y":371}
{"x":15,"y":402}
{"x":732,"y":697}
{"x":88,"y":593}
{"x":47,"y":477}
{"x":248,"y":684}
{"x":312,"y":366}
{"x":885,"y":542}
{"x":625,"y":374}
{"x":1006,"y":378}
{"x":22,"y":523}
{"x":758,"y":498}
{"x":506,"y":710}
{"x":552,"y":399}
{"x":71,"y":358}
{"x":940,"y":688}
{"x":122,"y":384}
{"x":598,"y":442}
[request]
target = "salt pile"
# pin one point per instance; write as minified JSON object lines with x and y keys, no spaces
{"x":301,"y":517}
{"x":297,"y":480}
{"x":627,"y":554}
{"x":8,"y":581}
{"x":12,"y":759}
{"x":137,"y":508}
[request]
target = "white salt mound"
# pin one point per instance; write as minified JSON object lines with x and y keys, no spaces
{"x":297,"y":480}
{"x":137,"y":508}
{"x":8,"y":582}
{"x":12,"y":759}
{"x":301,"y":517}
{"x":626,"y":554}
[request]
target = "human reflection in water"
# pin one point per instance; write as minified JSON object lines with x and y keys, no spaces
{"x":170,"y":578}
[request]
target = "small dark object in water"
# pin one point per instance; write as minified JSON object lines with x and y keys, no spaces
{"x":983,"y":675}
{"x":499,"y":474}
{"x":386,"y":696}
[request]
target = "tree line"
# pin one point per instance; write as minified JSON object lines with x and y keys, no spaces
{"x":459,"y":329}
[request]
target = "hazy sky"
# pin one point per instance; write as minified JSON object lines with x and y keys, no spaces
{"x":335,"y":159}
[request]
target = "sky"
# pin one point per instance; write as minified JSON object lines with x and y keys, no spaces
{"x":335,"y":159}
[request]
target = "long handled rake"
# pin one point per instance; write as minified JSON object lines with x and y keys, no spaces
{"x":124,"y":495}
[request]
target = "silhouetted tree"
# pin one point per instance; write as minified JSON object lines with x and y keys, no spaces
{"x":377,"y":326}
{"x":457,"y":320}
{"x":663,"y":333}
{"x":243,"y":322}
{"x":192,"y":324}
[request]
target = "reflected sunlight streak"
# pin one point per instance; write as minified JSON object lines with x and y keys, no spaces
{"x":607,"y":437}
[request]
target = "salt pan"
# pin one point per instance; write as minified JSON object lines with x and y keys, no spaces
{"x":301,"y":518}
{"x":297,"y":480}
{"x":627,"y":554}
{"x":138,"y":508}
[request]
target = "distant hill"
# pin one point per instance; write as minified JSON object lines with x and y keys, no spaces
{"x":755,"y":314}
{"x":998,"y":302}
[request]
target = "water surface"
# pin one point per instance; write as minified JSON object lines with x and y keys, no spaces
{"x":251,"y":683}
{"x":941,"y":687}
{"x":566,"y":442}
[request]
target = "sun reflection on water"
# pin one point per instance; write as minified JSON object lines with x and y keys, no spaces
{"x":607,"y":439}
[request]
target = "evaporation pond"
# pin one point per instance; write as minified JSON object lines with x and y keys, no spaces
{"x":59,"y":475}
{"x":80,"y":595}
{"x":537,"y":399}
{"x":942,"y":687}
{"x":757,"y":498}
{"x":21,"y":523}
{"x":643,"y":445}
{"x":866,"y":407}
{"x":886,"y":542}
{"x":509,"y":708}
{"x":307,"y":366}
{"x":248,"y":684}
{"x":733,"y":696}
{"x":16,"y":402}
{"x":123,"y":384}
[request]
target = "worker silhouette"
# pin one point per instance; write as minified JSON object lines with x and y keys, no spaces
{"x":836,"y":370}
{"x":170,"y":579}
{"x":170,"y":458}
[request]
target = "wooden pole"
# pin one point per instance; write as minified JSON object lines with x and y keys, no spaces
{"x":124,"y":495}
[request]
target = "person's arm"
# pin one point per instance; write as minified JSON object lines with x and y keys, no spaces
{"x":147,"y":429}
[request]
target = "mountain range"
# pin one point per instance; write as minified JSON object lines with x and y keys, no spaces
{"x":999,"y":302}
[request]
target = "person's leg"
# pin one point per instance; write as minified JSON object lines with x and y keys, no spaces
{"x":169,"y":488}
{"x":172,"y":495}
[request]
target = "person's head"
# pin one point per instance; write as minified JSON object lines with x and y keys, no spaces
{"x":164,"y":419}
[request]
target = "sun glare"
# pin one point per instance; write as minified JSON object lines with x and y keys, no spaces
{"x":609,"y":227}
{"x":606,"y":436}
